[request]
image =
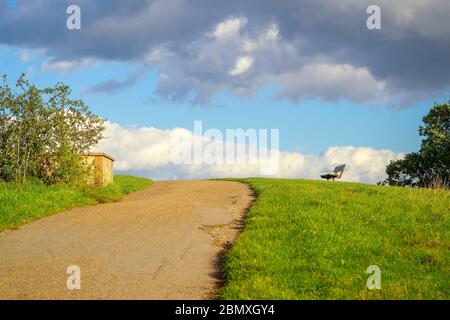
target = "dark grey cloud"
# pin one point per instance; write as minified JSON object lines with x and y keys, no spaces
{"x":405,"y":61}
{"x":111,"y":86}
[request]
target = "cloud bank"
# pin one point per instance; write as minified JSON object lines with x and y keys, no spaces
{"x":148,"y":151}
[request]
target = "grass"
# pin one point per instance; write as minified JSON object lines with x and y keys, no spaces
{"x":315,"y":240}
{"x":24,"y":203}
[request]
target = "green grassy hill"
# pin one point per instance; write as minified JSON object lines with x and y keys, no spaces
{"x":24,"y":203}
{"x":315,"y":240}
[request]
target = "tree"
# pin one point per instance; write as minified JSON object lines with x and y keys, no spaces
{"x":43,"y":132}
{"x":430,"y":166}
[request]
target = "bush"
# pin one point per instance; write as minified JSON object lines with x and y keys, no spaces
{"x":43,"y":132}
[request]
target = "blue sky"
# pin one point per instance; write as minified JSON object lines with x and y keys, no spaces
{"x":11,"y":4}
{"x":337,"y":91}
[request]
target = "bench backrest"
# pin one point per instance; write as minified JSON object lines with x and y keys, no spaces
{"x":339,"y":170}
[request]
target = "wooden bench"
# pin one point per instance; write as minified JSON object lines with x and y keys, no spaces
{"x":336,"y":174}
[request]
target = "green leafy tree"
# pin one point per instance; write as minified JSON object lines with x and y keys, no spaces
{"x":43,"y":132}
{"x":430,"y":166}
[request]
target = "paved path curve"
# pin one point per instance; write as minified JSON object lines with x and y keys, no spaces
{"x":159,"y":243}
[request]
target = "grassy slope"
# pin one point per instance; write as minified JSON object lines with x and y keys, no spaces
{"x":315,"y":240}
{"x":21,"y":204}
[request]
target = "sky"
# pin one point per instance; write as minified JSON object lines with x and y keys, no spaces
{"x":337,"y":91}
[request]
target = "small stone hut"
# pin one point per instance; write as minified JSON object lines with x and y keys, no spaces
{"x":102,"y":165}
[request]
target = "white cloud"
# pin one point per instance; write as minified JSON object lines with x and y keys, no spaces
{"x":222,"y":61}
{"x":242,"y":65}
{"x":231,"y":26}
{"x":249,"y":45}
{"x":65,"y":65}
{"x":30,"y":54}
{"x":157,"y":55}
{"x":331,"y":82}
{"x":148,"y":151}
{"x":272,"y":32}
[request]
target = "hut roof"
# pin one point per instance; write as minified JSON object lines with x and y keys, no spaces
{"x":100,"y":154}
